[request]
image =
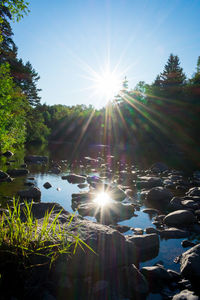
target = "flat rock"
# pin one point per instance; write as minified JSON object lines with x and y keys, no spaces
{"x":174,"y":233}
{"x":33,"y":193}
{"x":180,"y":218}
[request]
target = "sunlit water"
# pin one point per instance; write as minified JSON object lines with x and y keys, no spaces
{"x":61,"y":192}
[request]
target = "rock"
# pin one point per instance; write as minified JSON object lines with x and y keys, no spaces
{"x":33,"y":193}
{"x":159,"y":196}
{"x":175,"y":203}
{"x":175,"y":276}
{"x":47,"y":185}
{"x":174,"y":233}
{"x":137,"y":231}
{"x":190,"y":204}
{"x":56,"y":170}
{"x":159,"y":167}
{"x":18,"y":172}
{"x":82,"y":185}
{"x":4,"y":176}
{"x":195,"y":228}
{"x":34,"y":159}
{"x":150,"y":230}
{"x":23,"y":166}
{"x":180,"y":218}
{"x":151,"y":211}
{"x":149,"y":182}
{"x":133,"y":283}
{"x":186,"y":243}
{"x":195,"y":191}
{"x":40,"y":209}
{"x":157,"y":276}
{"x":8,"y":154}
{"x":185,"y":295}
{"x":100,"y":286}
{"x":190,"y":262}
{"x":31,"y":178}
{"x":120,"y":228}
{"x":73,"y":178}
{"x":111,"y":213}
{"x":147,"y":245}
{"x":117,"y":194}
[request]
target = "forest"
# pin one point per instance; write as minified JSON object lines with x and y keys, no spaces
{"x":156,"y":116}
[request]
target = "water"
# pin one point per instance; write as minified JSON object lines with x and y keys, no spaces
{"x":61,"y":190}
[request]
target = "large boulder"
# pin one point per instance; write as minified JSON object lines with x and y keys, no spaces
{"x":180,"y":218}
{"x":159,"y":196}
{"x":147,"y":245}
{"x":35,"y":159}
{"x":157,"y":276}
{"x":190,"y":262}
{"x":18,"y":172}
{"x":73,"y":178}
{"x":33,"y":193}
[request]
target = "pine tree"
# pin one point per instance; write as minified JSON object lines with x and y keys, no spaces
{"x":173,"y":75}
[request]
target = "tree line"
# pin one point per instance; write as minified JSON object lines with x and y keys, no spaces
{"x":150,"y":116}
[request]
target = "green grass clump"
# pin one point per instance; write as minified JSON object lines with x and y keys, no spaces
{"x":30,"y":237}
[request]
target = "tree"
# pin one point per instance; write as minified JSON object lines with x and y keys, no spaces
{"x":172,"y":75}
{"x":12,"y":111}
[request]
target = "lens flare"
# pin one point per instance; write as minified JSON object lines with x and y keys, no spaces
{"x":102,"y":199}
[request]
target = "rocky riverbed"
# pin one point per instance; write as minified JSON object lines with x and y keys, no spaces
{"x":108,"y":197}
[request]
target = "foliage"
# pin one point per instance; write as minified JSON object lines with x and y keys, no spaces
{"x":17,"y":8}
{"x":28,"y":238}
{"x":12,"y":111}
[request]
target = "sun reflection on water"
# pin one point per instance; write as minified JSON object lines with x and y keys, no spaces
{"x":102,"y":199}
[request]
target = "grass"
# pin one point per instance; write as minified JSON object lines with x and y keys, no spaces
{"x":31,"y":238}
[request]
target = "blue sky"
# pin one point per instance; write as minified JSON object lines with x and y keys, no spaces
{"x":65,"y":39}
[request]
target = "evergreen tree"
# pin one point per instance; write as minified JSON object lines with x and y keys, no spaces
{"x":173,"y":75}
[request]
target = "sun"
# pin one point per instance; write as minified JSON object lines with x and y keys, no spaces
{"x":102,"y":199}
{"x":107,"y":84}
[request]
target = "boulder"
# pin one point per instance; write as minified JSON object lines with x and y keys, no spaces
{"x":159,"y":196}
{"x":190,"y":262}
{"x":34,"y":159}
{"x":175,"y":203}
{"x":117,"y":194}
{"x":18,"y":172}
{"x":147,"y":182}
{"x":195,"y":191}
{"x":157,"y":276}
{"x":147,"y":245}
{"x":174,"y":233}
{"x":33,"y":193}
{"x":180,"y":218}
{"x":185,"y":295}
{"x":73,"y":178}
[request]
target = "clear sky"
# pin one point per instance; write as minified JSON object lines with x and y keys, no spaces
{"x":67,"y":41}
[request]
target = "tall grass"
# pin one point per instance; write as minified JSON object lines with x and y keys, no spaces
{"x":24,"y":236}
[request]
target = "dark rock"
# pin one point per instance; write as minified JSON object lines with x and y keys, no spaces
{"x":187,"y":243}
{"x":82,"y":185}
{"x":195,"y":191}
{"x":36,"y":159}
{"x":151,"y":211}
{"x":175,"y":276}
{"x":8,"y":154}
{"x":18,"y":172}
{"x":149,"y":182}
{"x":190,"y":204}
{"x":159,"y":196}
{"x":40,"y":209}
{"x":47,"y":185}
{"x":4,"y":176}
{"x":180,"y":218}
{"x":174,"y":233}
{"x":120,"y":228}
{"x":157,"y":276}
{"x":31,"y":178}
{"x":32,"y":193}
{"x":190,"y":262}
{"x":73,"y":178}
{"x":23,"y":166}
{"x":147,"y":244}
{"x":117,"y":194}
{"x":175,"y":203}
{"x":185,"y":295}
{"x":150,"y":230}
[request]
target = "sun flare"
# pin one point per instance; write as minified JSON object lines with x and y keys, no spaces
{"x":102,"y":199}
{"x":107,"y":84}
